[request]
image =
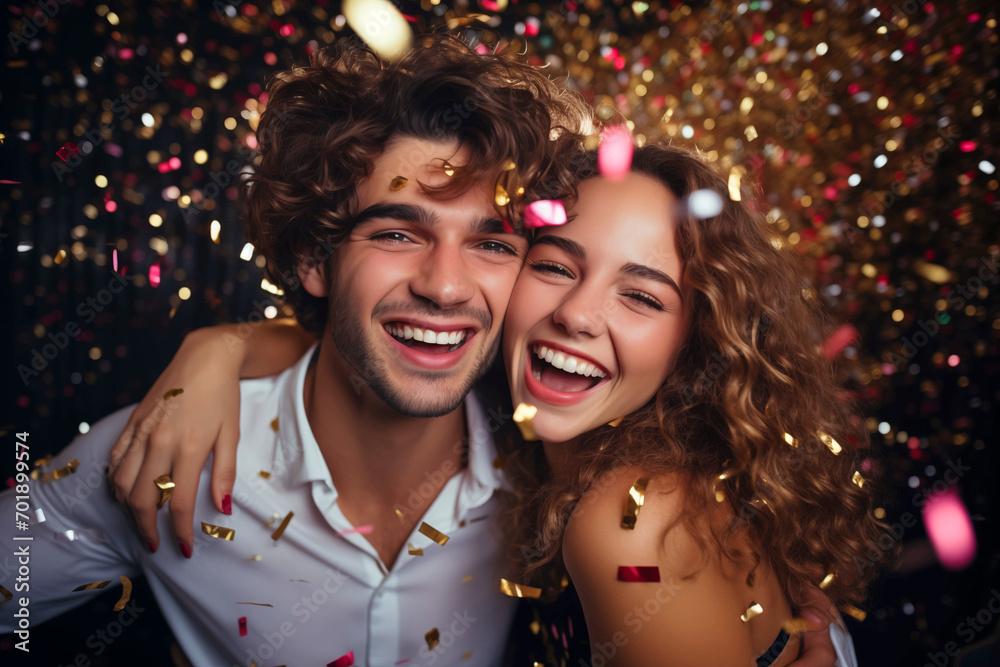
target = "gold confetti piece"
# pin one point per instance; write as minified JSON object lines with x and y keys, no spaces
{"x":827,"y":580}
{"x":220,"y":532}
{"x":92,"y":586}
{"x":858,"y":479}
{"x":126,"y":593}
{"x":257,"y":604}
{"x":536,"y":627}
{"x":256,"y":557}
{"x":796,"y":626}
{"x":60,"y":256}
{"x":467,"y":578}
{"x":281,"y":529}
{"x":432,"y":637}
{"x":414,"y":551}
{"x":854,"y":612}
{"x":502,"y":198}
{"x":500,"y":461}
{"x":753,"y":610}
{"x":265,"y":474}
{"x":832,"y":444}
{"x":7,"y":596}
{"x":274,"y":517}
{"x":520,"y":192}
{"x":434,"y":533}
{"x":449,"y":170}
{"x":60,"y":473}
{"x":523,"y":416}
{"x":615,"y":422}
{"x":508,"y":165}
{"x":171,"y":393}
{"x":636,"y":496}
{"x":790,"y":440}
{"x":466,"y":656}
{"x":720,"y":496}
{"x":399,"y":513}
{"x":735,"y":177}
{"x":750,"y":132}
{"x":933,"y":272}
{"x":274,"y":424}
{"x":519,"y":590}
{"x":398,"y":184}
{"x":166,"y":486}
{"x":44,"y":461}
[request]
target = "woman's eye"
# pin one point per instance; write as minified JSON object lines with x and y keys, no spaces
{"x":497,"y":247}
{"x":645,"y":300}
{"x":550,"y":267}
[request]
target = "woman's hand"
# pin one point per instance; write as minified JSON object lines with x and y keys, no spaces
{"x":173,"y":433}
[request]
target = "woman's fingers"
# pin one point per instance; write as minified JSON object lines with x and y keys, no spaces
{"x":144,"y":498}
{"x":224,"y":466}
{"x":122,"y":479}
{"x":121,"y":447}
{"x":186,"y":475}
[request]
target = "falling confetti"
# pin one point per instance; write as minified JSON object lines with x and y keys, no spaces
{"x":544,"y":213}
{"x":523,"y":416}
{"x":633,"y":503}
{"x":519,"y":590}
{"x":380,"y":25}
{"x":614,"y":156}
{"x":949,"y":529}
{"x":433,"y":533}
{"x":753,"y":610}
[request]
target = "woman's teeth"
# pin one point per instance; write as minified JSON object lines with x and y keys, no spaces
{"x":406,"y":332}
{"x":567,"y":363}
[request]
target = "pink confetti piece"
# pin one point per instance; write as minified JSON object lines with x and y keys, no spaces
{"x":506,"y":225}
{"x":154,"y":274}
{"x":950,"y":530}
{"x":614,"y":155}
{"x":360,"y":530}
{"x":10,"y":182}
{"x":544,"y":213}
{"x":638,"y":573}
{"x":838,"y":340}
{"x":345,"y":660}
{"x":243,"y":626}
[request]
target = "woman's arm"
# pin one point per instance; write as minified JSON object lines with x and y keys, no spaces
{"x":173,"y":432}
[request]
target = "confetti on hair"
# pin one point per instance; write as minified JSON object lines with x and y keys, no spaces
{"x":432,"y":638}
{"x":507,"y":228}
{"x":126,"y":593}
{"x":633,"y":503}
{"x":519,"y":590}
{"x":92,"y":586}
{"x":509,"y":165}
{"x":281,"y":529}
{"x":843,"y":336}
{"x":854,"y":612}
{"x":831,"y":444}
{"x":523,"y":416}
{"x":433,"y":533}
{"x":639,"y":573}
{"x":615,"y":422}
{"x":753,"y":610}
{"x":614,"y":155}
{"x":735,"y":177}
{"x":858,"y":479}
{"x":791,"y":440}
{"x":398,"y":183}
{"x":827,"y":580}
{"x":380,"y":25}
{"x":949,"y":529}
{"x":166,"y":487}
{"x":501,"y":197}
{"x":346,"y":660}
{"x":544,"y":213}
{"x":219,"y":532}
{"x":243,"y":626}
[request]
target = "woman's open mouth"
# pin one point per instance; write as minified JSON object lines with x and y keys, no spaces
{"x":557,"y":377}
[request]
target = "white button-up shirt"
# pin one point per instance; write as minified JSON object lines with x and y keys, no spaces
{"x":327,"y":592}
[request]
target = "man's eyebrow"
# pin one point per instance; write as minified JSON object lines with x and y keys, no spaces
{"x":568,"y":246}
{"x":649,"y":273}
{"x":404,"y":212}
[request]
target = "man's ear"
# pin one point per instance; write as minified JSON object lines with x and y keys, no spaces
{"x":312,"y":274}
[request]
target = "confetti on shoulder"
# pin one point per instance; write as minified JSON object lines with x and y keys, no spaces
{"x":433,"y":533}
{"x":519,"y":590}
{"x":638,"y":573}
{"x":636,"y":497}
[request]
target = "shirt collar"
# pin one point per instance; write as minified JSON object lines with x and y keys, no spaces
{"x":298,"y":459}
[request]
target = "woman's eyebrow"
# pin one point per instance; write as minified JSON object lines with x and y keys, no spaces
{"x":649,"y":273}
{"x":566,"y":245}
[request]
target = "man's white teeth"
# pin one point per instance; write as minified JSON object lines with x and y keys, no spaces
{"x":568,"y":363}
{"x":426,"y":335}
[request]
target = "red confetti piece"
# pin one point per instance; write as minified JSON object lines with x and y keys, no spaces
{"x":345,"y":660}
{"x":544,"y":213}
{"x":614,"y":155}
{"x":950,"y":530}
{"x":68,"y":150}
{"x":243,"y":626}
{"x":838,"y":340}
{"x":507,"y":228}
{"x":638,"y":573}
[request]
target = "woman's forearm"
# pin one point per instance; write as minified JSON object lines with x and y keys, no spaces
{"x":261,"y":349}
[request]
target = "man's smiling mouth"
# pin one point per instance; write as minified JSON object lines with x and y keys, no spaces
{"x":427,"y":340}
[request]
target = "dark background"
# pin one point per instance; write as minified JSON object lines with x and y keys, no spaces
{"x":833,"y":87}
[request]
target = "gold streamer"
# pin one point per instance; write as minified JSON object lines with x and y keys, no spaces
{"x":636,"y":496}
{"x":433,"y":533}
{"x":166,"y":486}
{"x":126,"y":593}
{"x":753,"y":610}
{"x":519,"y":590}
{"x":281,"y":529}
{"x":92,"y":586}
{"x":220,"y":532}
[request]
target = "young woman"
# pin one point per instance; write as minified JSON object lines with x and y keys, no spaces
{"x":690,"y":463}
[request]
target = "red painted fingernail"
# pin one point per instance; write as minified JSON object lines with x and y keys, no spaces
{"x":227,"y":504}
{"x":152,"y":547}
{"x":185,"y":549}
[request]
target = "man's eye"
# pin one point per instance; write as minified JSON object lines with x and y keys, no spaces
{"x":397,"y":237}
{"x":497,"y":247}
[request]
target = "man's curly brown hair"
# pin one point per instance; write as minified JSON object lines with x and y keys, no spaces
{"x":327,"y":123}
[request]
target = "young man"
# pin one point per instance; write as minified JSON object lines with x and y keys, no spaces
{"x":380,"y":202}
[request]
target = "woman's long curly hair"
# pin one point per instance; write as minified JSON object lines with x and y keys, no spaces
{"x":750,"y":415}
{"x":327,"y":123}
